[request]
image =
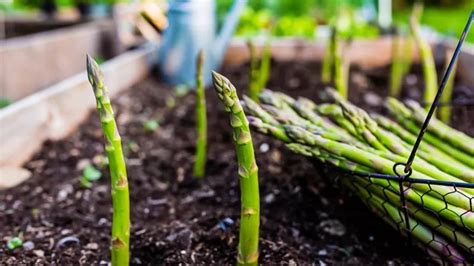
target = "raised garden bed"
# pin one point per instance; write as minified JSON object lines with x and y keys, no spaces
{"x":304,"y":219}
{"x":52,"y":55}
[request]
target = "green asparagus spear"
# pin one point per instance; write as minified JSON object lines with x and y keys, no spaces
{"x":201,"y":119}
{"x":444,"y":112}
{"x":404,"y":116}
{"x":396,"y":70}
{"x":429,"y":67}
{"x":265,"y":64}
{"x":328,"y":60}
{"x":248,"y":172}
{"x":118,"y":171}
{"x":420,"y":231}
{"x":341,"y":68}
{"x":443,"y":131}
{"x":253,"y":73}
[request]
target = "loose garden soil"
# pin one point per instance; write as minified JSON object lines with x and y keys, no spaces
{"x":179,"y":219}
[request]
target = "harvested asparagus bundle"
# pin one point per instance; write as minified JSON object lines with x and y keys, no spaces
{"x":343,"y":135}
{"x":117,"y":167}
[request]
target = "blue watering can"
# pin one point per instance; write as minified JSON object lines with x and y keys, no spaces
{"x":192,"y":26}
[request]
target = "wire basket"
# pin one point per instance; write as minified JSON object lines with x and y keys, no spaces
{"x":422,"y":209}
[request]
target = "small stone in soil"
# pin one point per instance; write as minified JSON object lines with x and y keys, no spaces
{"x":38,"y":253}
{"x":28,"y":245}
{"x":67,"y":240}
{"x":269,"y":198}
{"x":264,"y":148}
{"x":333,"y":227}
{"x":372,"y":99}
{"x":322,"y":252}
{"x":92,"y":246}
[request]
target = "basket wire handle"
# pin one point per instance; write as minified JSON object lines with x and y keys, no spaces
{"x":407,"y":166}
{"x":433,"y":106}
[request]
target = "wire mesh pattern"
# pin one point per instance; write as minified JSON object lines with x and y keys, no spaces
{"x":445,"y":231}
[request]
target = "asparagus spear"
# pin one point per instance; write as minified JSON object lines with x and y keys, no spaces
{"x":265,"y":62}
{"x":397,"y":67}
{"x":429,"y":67}
{"x":328,"y":60}
{"x":377,"y":137}
{"x":259,"y":71}
{"x":253,"y":74}
{"x":201,"y":119}
{"x":248,"y":171}
{"x":421,"y":232}
{"x":457,"y":138}
{"x":451,"y":213}
{"x":403,"y":115}
{"x":444,"y":112}
{"x":341,"y":68}
{"x":118,"y":171}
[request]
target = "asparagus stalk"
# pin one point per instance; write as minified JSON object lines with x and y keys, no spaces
{"x":451,"y":213}
{"x":379,"y":164}
{"x":253,"y":74}
{"x":377,"y":137}
{"x":444,"y":112}
{"x":429,"y":67}
{"x":265,"y":65}
{"x":201,"y":119}
{"x":248,"y":172}
{"x":397,"y":67}
{"x":329,"y":55}
{"x":457,"y":138}
{"x":430,"y":218}
{"x":341,"y":68}
{"x":403,"y":115}
{"x":259,"y":71}
{"x":407,"y":55}
{"x":424,"y":234}
{"x":117,"y":167}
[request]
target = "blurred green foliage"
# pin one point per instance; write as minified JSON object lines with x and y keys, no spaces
{"x":437,"y":18}
{"x":298,"y":18}
{"x":19,"y":4}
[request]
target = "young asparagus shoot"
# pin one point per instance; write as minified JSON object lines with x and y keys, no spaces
{"x":341,"y":64}
{"x":248,"y":172}
{"x":429,"y":67}
{"x":396,"y":71}
{"x":265,"y":65}
{"x":201,"y":119}
{"x":253,"y":74}
{"x":259,"y":69}
{"x":118,"y":172}
{"x":444,"y":112}
{"x":328,"y":60}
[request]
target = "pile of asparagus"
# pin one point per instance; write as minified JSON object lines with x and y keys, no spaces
{"x":341,"y":134}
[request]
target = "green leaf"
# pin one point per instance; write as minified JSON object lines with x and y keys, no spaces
{"x":4,"y":102}
{"x":151,"y":125}
{"x":14,"y":243}
{"x":181,"y":90}
{"x":91,"y":174}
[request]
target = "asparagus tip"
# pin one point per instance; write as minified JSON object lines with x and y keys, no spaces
{"x":94,"y":73}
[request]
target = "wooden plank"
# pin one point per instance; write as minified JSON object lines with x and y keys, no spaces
{"x":365,"y":53}
{"x":48,"y":57}
{"x":55,"y":112}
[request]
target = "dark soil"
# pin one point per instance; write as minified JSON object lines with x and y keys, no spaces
{"x":178,"y":219}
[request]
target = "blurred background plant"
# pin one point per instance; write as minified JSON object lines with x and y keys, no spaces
{"x":301,"y":18}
